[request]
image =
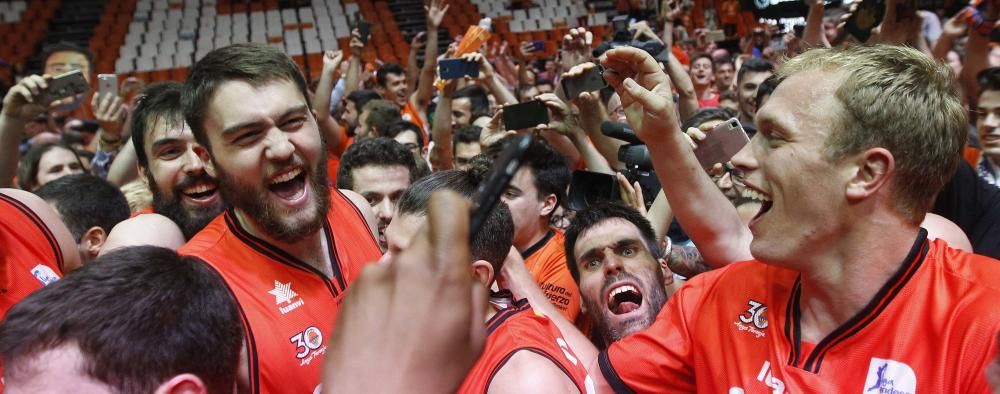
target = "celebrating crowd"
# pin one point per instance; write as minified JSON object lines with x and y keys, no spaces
{"x":821,"y":215}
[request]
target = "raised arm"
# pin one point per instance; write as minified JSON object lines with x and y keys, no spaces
{"x":688,"y":99}
{"x":412,"y":68}
{"x":425,"y":87}
{"x":952,"y":30}
{"x":639,"y":81}
{"x":332,"y":132}
{"x":490,"y":80}
{"x":812,"y":35}
{"x":441,"y":157}
{"x":354,"y":64}
{"x":21,"y":104}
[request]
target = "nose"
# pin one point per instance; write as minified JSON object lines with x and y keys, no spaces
{"x":613,"y":265}
{"x":279,"y":147}
{"x":383,"y":210}
{"x":992,"y":120}
{"x":744,"y":159}
{"x":193,"y":162}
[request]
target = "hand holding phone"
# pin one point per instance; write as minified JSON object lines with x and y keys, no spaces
{"x":457,"y":68}
{"x":525,"y":115}
{"x":65,"y":85}
{"x":107,"y":85}
{"x":721,"y":144}
{"x":589,"y":80}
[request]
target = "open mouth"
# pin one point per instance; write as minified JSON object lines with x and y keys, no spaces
{"x":201,"y":191}
{"x":289,"y":185}
{"x":624,"y":298}
{"x":991,"y":139}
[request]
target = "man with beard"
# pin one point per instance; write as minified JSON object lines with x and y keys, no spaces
{"x":380,"y":170}
{"x":612,"y":253}
{"x":522,"y":349}
{"x":289,"y":246}
{"x":173,"y":165}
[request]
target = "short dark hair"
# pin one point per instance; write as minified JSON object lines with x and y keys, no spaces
{"x":466,"y":135}
{"x":756,"y":65}
{"x":389,"y":68}
{"x":597,"y":213}
{"x":84,"y":201}
{"x":382,"y":114}
{"x":766,"y":88}
{"x":139,"y":315}
{"x":159,"y":101}
{"x":479,"y":102}
{"x":362,"y":97}
{"x":254,"y":64}
{"x":549,"y":169}
{"x":723,"y":60}
{"x":988,"y":79}
{"x":494,"y":239}
{"x":707,"y":115}
{"x":404,"y":126}
{"x":704,"y":56}
{"x":66,"y":46}
{"x":27,"y":169}
{"x":378,"y":151}
{"x":729,"y":95}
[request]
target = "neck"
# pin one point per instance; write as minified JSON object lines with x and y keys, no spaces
{"x":746,"y":119}
{"x":703,"y":91}
{"x":528,"y":240}
{"x":844,"y":279}
{"x":311,"y":249}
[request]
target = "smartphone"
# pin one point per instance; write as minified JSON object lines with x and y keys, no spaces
{"x":107,"y":84}
{"x":721,"y":144}
{"x":865,"y":17}
{"x":493,"y":185}
{"x":591,"y":80}
{"x":715,"y":35}
{"x":587,"y":188}
{"x":539,"y":46}
{"x":457,"y":68}
{"x":364,"y":28}
{"x":65,"y":85}
{"x":525,"y":115}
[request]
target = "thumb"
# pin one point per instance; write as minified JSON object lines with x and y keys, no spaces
{"x":649,"y":100}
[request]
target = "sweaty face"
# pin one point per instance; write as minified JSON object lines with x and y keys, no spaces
{"x":988,"y":123}
{"x":527,"y":208}
{"x":461,"y":112}
{"x":269,"y":157}
{"x":381,"y":186}
{"x":701,"y":71}
{"x":620,"y":280}
{"x":803,"y":193}
{"x":57,"y":163}
{"x":724,"y":76}
{"x":181,"y":178}
{"x":395,"y":89}
{"x":464,"y":152}
{"x":747,"y":92}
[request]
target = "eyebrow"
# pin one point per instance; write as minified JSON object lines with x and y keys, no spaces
{"x":618,"y":244}
{"x":164,"y":141}
{"x":301,"y":108}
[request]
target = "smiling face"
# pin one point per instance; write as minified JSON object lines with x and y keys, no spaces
{"x":381,"y":186}
{"x":988,"y":123}
{"x":181,"y":178}
{"x":701,"y":71}
{"x":394,"y":89}
{"x":269,"y":157}
{"x":747,"y":92}
{"x":785,"y":166}
{"x":724,"y":74}
{"x":620,"y":279}
{"x":57,"y":163}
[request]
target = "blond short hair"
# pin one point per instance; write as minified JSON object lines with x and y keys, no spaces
{"x":899,"y":99}
{"x":138,"y":195}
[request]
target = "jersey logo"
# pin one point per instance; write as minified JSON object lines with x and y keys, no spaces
{"x":890,"y":377}
{"x":44,"y":274}
{"x":308,"y":345}
{"x":754,"y":319}
{"x":283,"y":294}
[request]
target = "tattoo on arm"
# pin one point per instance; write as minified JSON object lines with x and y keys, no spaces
{"x":687,"y":261}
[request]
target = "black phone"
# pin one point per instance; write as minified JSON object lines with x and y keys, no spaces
{"x":65,"y":85}
{"x":525,"y":115}
{"x":493,"y":185}
{"x":457,"y":68}
{"x":589,"y":81}
{"x":364,"y":28}
{"x":588,"y":187}
{"x":865,"y":17}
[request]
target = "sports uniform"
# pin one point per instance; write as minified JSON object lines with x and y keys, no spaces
{"x":287,"y":306}
{"x":932,"y":327}
{"x":520,"y":328}
{"x":409,"y":113}
{"x":546,"y":260}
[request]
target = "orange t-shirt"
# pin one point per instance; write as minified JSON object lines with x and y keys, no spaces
{"x":287,"y":306}
{"x":932,"y":328}
{"x":521,"y":328}
{"x":409,"y":113}
{"x":333,"y":157}
{"x":546,"y":260}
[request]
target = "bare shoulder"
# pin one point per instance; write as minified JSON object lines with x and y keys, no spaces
{"x":51,"y":219}
{"x":530,"y":372}
{"x":148,"y":229}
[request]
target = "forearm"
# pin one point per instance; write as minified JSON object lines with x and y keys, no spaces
{"x":687,"y":261}
{"x":502,"y":94}
{"x":942,"y":46}
{"x":441,"y":133}
{"x":412,"y":70}
{"x":11,"y":130}
{"x":692,"y":194}
{"x":591,"y":157}
{"x":123,"y":169}
{"x":812,"y":35}
{"x":606,"y":146}
{"x":660,"y":215}
{"x":425,"y":86}
{"x":353,"y":74}
{"x":564,"y":146}
{"x":688,"y":103}
{"x":332,"y":132}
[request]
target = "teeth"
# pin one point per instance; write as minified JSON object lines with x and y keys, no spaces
{"x":200,"y":188}
{"x":750,"y":193}
{"x":620,"y":290}
{"x":287,"y":176}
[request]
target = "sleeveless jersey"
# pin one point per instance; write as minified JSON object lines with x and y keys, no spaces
{"x":546,"y":260}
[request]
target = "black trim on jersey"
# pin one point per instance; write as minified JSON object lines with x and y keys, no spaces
{"x":334,"y":256}
{"x":538,"y":245}
{"x":46,"y":232}
{"x":253,"y":365}
{"x":539,"y":352}
{"x":913,"y":261}
{"x":273,"y":252}
{"x":793,"y":330}
{"x":500,"y":317}
{"x":360,"y":216}
{"x":615,"y":381}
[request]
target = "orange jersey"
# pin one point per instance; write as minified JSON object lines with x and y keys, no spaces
{"x":546,"y":260}
{"x":409,"y":113}
{"x":31,"y":254}
{"x":932,"y":328}
{"x":517,"y":328}
{"x":288,"y":307}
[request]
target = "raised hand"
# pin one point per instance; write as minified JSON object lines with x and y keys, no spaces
{"x":332,"y":61}
{"x":644,"y":90}
{"x":436,"y":12}
{"x":418,"y":41}
{"x":109,"y":111}
{"x":23,"y":101}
